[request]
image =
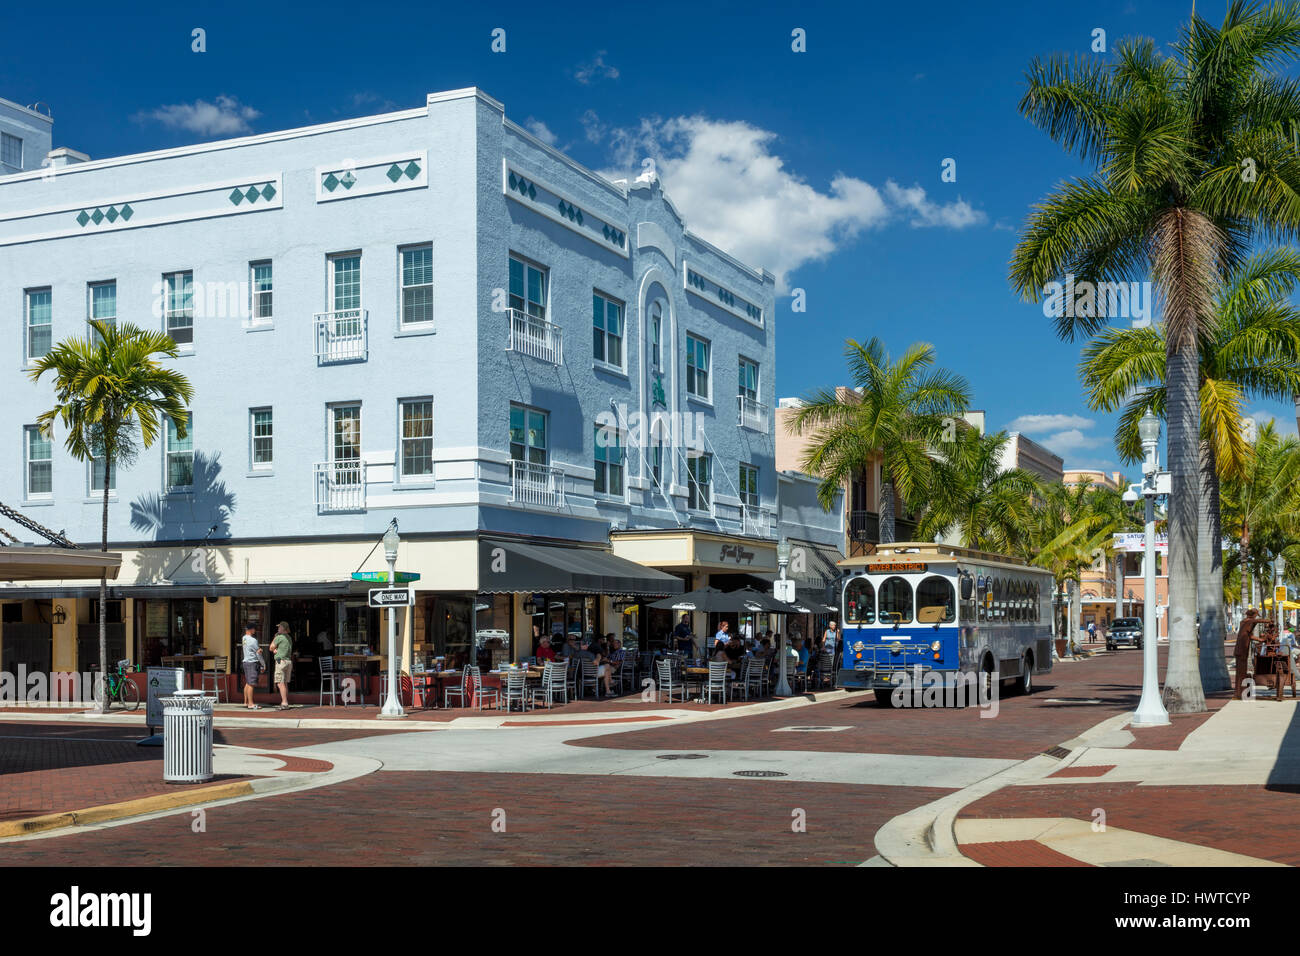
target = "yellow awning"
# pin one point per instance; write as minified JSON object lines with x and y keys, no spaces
{"x":1286,"y":605}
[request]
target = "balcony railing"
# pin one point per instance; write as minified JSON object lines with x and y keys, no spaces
{"x":864,"y":529}
{"x":341,"y":485}
{"x":751,"y":413}
{"x":756,"y":522}
{"x":539,"y":485}
{"x":536,"y":337}
{"x":341,"y":336}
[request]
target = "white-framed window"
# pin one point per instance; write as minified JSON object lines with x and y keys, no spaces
{"x":749,"y":485}
{"x":657,"y":462}
{"x":607,"y":329}
{"x":656,"y":335}
{"x":529,"y":287}
{"x":178,"y":306}
{"x":261,"y":438}
{"x":417,"y":284}
{"x":11,"y":150}
{"x":748,"y":387}
{"x":417,"y":438}
{"x":179,"y":455}
{"x":39,"y":452}
{"x":610,"y":459}
{"x":101,"y":302}
{"x":699,"y":473}
{"x":38,"y":311}
{"x":261,"y":285}
{"x":345,"y":292}
{"x":97,"y":473}
{"x":528,"y":439}
{"x":697,"y":366}
{"x":345,"y":432}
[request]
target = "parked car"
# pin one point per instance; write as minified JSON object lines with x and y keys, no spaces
{"x":1124,"y":632}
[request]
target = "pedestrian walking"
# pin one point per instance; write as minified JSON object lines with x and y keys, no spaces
{"x":251,"y":663}
{"x":282,"y":648}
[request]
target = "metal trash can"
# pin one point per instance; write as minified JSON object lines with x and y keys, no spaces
{"x":187,"y":737}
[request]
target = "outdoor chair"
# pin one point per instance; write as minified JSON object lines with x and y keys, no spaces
{"x":718,"y":674}
{"x":383,"y":683}
{"x":216,"y":676}
{"x":667,"y":684}
{"x":471,"y":687}
{"x":571,"y":677}
{"x":826,"y":669}
{"x":328,"y":678}
{"x":420,"y":680}
{"x":516,"y":689}
{"x":627,"y":672}
{"x":553,"y":684}
{"x":754,"y":676}
{"x":589,"y":679}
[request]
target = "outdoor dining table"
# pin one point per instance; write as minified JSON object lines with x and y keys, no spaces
{"x":187,"y":662}
{"x":347,"y":662}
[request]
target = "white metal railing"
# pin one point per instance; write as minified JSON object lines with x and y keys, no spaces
{"x":756,"y":522}
{"x":341,"y":336}
{"x":751,"y":413}
{"x":341,"y":485}
{"x":536,"y":337}
{"x":532,"y":484}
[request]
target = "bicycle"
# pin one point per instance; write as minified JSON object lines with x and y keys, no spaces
{"x":120,"y":689}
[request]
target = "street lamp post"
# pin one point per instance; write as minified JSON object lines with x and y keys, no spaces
{"x":1151,"y":709}
{"x":392,"y":706}
{"x":782,"y":688}
{"x":1279,"y":563}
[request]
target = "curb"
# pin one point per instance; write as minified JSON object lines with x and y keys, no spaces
{"x":127,"y":808}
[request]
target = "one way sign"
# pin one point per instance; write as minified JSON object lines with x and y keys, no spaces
{"x":391,"y":597}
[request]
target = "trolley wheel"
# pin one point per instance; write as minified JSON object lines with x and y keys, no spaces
{"x":129,"y":695}
{"x":885,"y":698}
{"x":1025,"y":682}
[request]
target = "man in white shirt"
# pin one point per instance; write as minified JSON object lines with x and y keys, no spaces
{"x":249,"y":663}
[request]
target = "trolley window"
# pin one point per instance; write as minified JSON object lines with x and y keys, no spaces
{"x":936,"y":601}
{"x":895,"y":601}
{"x":860,"y":602}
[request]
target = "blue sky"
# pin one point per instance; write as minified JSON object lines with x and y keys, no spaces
{"x":823,"y":166}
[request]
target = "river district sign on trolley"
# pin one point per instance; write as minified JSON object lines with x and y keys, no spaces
{"x":923,"y":608}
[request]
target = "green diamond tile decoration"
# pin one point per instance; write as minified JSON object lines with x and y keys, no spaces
{"x":236,"y":197}
{"x":412,"y":169}
{"x":532,"y":193}
{"x":268,"y":191}
{"x":82,"y":219}
{"x":605,"y":232}
{"x":394,"y":172}
{"x":111,"y":215}
{"x":580,"y":217}
{"x":98,"y":216}
{"x":511,"y":181}
{"x":347,"y":179}
{"x":330,"y":182}
{"x":252,"y":194}
{"x":127,"y":211}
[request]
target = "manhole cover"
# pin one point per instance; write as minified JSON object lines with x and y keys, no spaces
{"x":1060,"y":753}
{"x":759,"y":773}
{"x":683,"y":756}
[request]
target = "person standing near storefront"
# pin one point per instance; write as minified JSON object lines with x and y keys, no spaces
{"x":251,"y":666}
{"x":282,"y":648}
{"x":683,"y":635}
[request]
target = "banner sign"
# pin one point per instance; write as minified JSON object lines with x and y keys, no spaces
{"x":161,"y":682}
{"x":1137,"y":541}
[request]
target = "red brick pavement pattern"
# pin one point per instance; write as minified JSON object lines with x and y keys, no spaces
{"x":1098,"y":771}
{"x":1023,"y":727}
{"x":424,"y":819}
{"x":1232,"y":818}
{"x":40,"y":776}
{"x":301,"y":764}
{"x":1017,"y":853}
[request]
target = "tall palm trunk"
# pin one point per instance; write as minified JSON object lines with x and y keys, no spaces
{"x":1247,"y":592}
{"x":887,"y":531}
{"x":102,"y":705}
{"x":1076,"y":613}
{"x":1296,"y":399}
{"x":1209,"y":576}
{"x":1183,"y":693}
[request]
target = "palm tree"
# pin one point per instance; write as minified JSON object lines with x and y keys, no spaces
{"x":1194,"y":160}
{"x":1253,"y":347}
{"x":896,"y":411}
{"x":968,"y":492}
{"x":1262,"y":505}
{"x":108,"y":386}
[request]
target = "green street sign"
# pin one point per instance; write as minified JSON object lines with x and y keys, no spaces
{"x":381,"y":577}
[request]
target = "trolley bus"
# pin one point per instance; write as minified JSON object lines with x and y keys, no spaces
{"x":971,"y":616}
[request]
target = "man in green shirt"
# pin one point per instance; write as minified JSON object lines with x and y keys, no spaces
{"x":282,"y":648}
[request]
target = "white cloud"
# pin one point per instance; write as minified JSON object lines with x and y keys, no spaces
{"x":953,"y":215}
{"x":1037,"y":424}
{"x":224,"y":117}
{"x":597,"y":69}
{"x":540,"y":130}
{"x":1069,"y":441}
{"x":734,"y":191}
{"x":592,"y":126}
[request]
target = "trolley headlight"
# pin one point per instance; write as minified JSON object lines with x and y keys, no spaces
{"x":935,"y":645}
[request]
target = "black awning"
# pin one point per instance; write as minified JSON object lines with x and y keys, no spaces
{"x":734,"y":580}
{"x":818,"y":569}
{"x":163,"y":591}
{"x":508,"y":567}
